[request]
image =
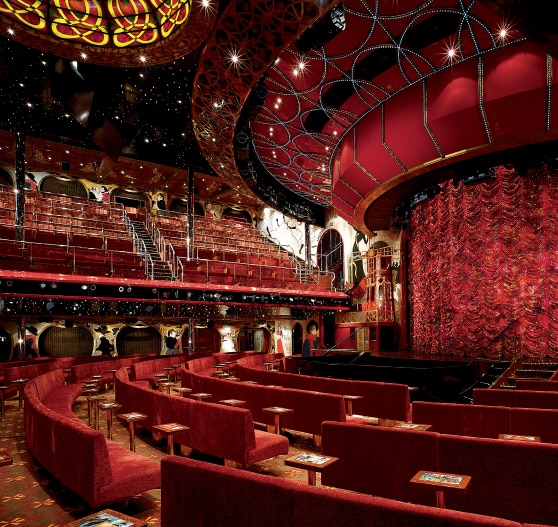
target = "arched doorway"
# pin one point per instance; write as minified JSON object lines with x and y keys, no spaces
{"x":254,"y":339}
{"x":208,"y":339}
{"x":60,"y":342}
{"x":330,"y":256}
{"x":298,"y":338}
{"x":6,"y":179}
{"x":138,"y":341}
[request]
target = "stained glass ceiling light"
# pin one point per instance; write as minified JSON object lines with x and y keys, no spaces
{"x":109,"y":23}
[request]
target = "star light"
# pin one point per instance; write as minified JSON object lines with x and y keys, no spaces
{"x":451,"y":53}
{"x":503,"y":32}
{"x":300,"y":68}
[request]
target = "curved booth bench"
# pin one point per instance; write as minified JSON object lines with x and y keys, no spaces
{"x":214,"y":429}
{"x":233,"y":495}
{"x":99,"y":470}
{"x":310,"y":408}
{"x":488,"y":421}
{"x":377,"y":399}
{"x":515,"y":480}
{"x":517,"y":398}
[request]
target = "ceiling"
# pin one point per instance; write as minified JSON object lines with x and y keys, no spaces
{"x":406,"y":95}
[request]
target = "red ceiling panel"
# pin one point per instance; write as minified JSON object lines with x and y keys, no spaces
{"x":405,"y":133}
{"x":454,"y":116}
{"x":371,"y":153}
{"x":357,"y":178}
{"x":515,"y":91}
{"x":343,"y":209}
{"x":345,"y":192}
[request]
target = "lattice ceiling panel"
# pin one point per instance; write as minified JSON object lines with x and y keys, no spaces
{"x":315,"y":98}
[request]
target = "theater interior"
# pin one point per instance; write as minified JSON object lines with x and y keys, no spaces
{"x":341,"y":202}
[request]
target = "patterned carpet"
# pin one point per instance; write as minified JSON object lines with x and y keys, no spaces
{"x":31,"y":497}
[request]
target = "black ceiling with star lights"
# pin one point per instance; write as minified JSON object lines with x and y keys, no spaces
{"x":147,"y":108}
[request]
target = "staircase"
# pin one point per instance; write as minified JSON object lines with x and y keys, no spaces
{"x":490,"y":378}
{"x":156,"y":268}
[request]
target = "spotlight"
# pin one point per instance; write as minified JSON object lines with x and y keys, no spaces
{"x":121,"y":289}
{"x":53,"y":285}
{"x":128,"y":289}
{"x":322,"y":31}
{"x":479,"y":175}
{"x":93,"y":287}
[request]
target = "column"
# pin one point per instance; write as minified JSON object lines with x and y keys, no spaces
{"x":190,"y":213}
{"x":20,"y":186}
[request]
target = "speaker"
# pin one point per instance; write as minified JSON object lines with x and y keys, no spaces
{"x":65,"y":165}
{"x":69,"y":323}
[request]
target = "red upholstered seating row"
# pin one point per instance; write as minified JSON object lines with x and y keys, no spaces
{"x":147,"y":370}
{"x":310,"y":408}
{"x":256,"y":360}
{"x":380,"y":399}
{"x":101,"y":366}
{"x":206,"y":365}
{"x":28,"y":371}
{"x":519,"y":398}
{"x":280,"y":503}
{"x":87,"y":366}
{"x":100,"y":471}
{"x":25,"y":371}
{"x":487,"y":421}
{"x":537,"y":385}
{"x":214,"y":429}
{"x":514,"y":480}
{"x":463,"y":419}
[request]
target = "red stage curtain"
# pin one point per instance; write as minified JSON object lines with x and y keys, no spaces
{"x":482,"y":267}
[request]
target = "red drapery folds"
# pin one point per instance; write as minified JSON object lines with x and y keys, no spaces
{"x":483,"y":262}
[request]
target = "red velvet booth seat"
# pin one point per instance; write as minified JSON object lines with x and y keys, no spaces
{"x":220,"y":496}
{"x":25,"y":371}
{"x":379,"y":399}
{"x":537,"y":385}
{"x":517,"y":398}
{"x":99,"y":366}
{"x":515,"y":480}
{"x":535,"y":422}
{"x":214,"y":429}
{"x":510,"y":479}
{"x":100,"y":471}
{"x":147,"y":370}
{"x":379,"y":461}
{"x":310,"y":408}
{"x":463,"y":419}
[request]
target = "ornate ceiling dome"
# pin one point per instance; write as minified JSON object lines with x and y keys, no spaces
{"x":99,"y":29}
